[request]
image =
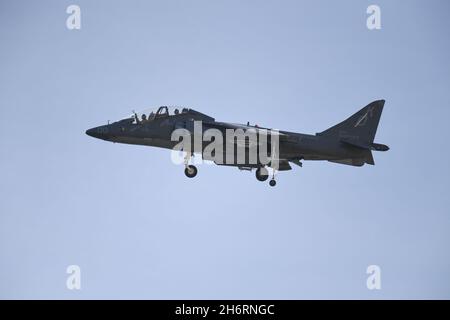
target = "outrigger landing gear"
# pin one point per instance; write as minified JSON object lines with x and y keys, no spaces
{"x":272,"y":181}
{"x":262,"y":174}
{"x":190,"y":171}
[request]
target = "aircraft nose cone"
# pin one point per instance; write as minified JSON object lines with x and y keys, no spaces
{"x":98,"y":132}
{"x":93,"y":133}
{"x":90,"y":132}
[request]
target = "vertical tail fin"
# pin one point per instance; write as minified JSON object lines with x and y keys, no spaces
{"x":361,"y":126}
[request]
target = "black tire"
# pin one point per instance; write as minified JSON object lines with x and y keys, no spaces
{"x":272,"y":183}
{"x":262,"y":174}
{"x":190,"y":171}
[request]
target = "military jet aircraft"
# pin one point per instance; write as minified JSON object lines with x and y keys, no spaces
{"x":350,"y":142}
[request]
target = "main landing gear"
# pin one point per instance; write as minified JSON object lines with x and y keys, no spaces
{"x":262,"y":174}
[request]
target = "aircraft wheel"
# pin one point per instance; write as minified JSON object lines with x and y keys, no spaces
{"x":190,"y":171}
{"x":262,"y":174}
{"x":272,"y":183}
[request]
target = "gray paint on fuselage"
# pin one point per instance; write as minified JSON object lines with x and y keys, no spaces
{"x":328,"y":145}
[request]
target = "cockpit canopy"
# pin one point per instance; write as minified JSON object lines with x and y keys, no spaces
{"x":155,"y":113}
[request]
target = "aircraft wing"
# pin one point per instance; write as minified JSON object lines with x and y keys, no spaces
{"x":235,"y":126}
{"x":223,"y":126}
{"x":283,"y":164}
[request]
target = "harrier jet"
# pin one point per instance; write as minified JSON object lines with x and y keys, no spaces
{"x":350,"y":142}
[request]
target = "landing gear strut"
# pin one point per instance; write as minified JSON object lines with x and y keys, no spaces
{"x":262,"y":174}
{"x":190,"y":171}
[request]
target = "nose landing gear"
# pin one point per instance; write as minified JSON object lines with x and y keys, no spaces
{"x":262,"y":174}
{"x":190,"y":171}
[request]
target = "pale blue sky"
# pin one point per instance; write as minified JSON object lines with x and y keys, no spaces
{"x":138,"y":228}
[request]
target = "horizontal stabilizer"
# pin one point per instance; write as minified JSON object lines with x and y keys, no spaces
{"x":356,"y":143}
{"x":365,"y":146}
{"x":379,"y":147}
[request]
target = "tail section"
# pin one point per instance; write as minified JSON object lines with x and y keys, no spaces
{"x":361,"y":127}
{"x":359,"y":131}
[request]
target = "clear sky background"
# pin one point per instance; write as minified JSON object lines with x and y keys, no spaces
{"x":138,"y":228}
